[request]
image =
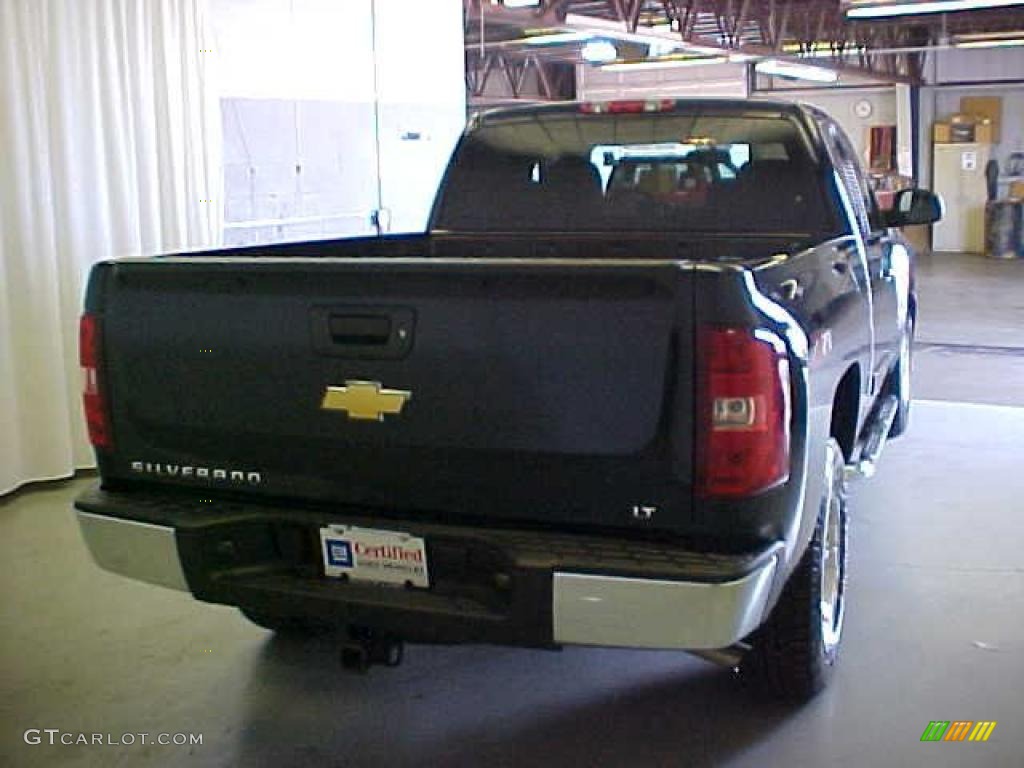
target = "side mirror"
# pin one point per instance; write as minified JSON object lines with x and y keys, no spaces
{"x":914,"y":206}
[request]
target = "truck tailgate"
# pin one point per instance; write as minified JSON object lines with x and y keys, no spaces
{"x":548,"y":391}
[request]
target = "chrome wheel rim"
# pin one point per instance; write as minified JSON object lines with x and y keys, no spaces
{"x":833,"y":551}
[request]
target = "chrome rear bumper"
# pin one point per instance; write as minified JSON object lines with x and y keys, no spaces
{"x":138,"y":550}
{"x":692,"y":611}
{"x":644,"y":613}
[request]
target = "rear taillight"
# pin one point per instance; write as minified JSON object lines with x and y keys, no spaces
{"x":97,"y":418}
{"x":743,"y":412}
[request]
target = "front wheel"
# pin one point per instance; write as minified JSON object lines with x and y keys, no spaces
{"x":794,"y":653}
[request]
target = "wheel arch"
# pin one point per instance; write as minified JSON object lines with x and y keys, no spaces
{"x":846,"y":410}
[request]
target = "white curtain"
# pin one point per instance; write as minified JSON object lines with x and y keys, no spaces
{"x":109,"y":146}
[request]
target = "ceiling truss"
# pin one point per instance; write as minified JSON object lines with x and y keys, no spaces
{"x":814,"y":31}
{"x":526,"y":76}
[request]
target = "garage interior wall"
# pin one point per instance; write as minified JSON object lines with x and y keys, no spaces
{"x":947,"y":102}
{"x":957,"y":74}
{"x":954,"y":74}
{"x":840,"y":104}
{"x":332,"y":111}
{"x":110,"y":139}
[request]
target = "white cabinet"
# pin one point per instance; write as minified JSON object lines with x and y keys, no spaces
{"x":959,"y":178}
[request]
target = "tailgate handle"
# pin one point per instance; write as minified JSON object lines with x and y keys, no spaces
{"x":360,"y":330}
{"x":363,"y":332}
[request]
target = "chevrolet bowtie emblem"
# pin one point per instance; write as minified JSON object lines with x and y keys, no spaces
{"x":365,"y":400}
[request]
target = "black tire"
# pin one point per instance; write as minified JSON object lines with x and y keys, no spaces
{"x":284,"y":625}
{"x":792,"y":655}
{"x":899,"y":381}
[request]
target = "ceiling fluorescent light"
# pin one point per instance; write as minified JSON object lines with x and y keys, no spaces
{"x":599,"y":51}
{"x":558,"y":38}
{"x":520,"y":3}
{"x":662,"y":48}
{"x":973,"y":36}
{"x":798,"y":71}
{"x":999,"y":42}
{"x":819,"y":48}
{"x":658,"y":34}
{"x":705,"y":49}
{"x":636,"y":66}
{"x":875,"y":10}
{"x":617,"y":30}
{"x":655,"y":37}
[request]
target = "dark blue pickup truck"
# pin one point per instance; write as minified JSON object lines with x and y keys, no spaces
{"x":612,"y":397}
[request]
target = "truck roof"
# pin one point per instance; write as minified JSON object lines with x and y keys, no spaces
{"x":737,"y":106}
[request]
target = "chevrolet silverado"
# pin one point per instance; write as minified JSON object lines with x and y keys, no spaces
{"x":612,"y":397}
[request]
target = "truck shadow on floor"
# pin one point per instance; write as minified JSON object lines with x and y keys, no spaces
{"x":483,"y":706}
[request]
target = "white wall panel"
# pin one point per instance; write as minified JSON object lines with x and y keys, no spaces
{"x":334,"y":108}
{"x":421,"y":91}
{"x":306,"y":49}
{"x":419,"y":50}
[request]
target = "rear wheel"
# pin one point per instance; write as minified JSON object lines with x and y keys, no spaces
{"x":793,"y":654}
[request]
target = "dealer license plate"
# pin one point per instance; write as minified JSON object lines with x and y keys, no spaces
{"x":367,"y":554}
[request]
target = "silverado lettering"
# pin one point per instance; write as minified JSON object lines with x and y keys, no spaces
{"x":200,"y":473}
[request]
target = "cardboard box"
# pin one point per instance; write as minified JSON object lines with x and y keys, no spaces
{"x":988,"y":108}
{"x":962,"y":131}
{"x":1017,"y":190}
{"x":983,"y":132}
{"x":953,"y":133}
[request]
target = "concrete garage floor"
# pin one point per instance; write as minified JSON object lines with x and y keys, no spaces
{"x":934,"y":629}
{"x":970,"y":329}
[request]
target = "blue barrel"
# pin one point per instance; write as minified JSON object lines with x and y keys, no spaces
{"x":1004,"y":229}
{"x":1020,"y":228}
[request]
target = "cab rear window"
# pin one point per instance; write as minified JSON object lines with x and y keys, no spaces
{"x":673,"y":172}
